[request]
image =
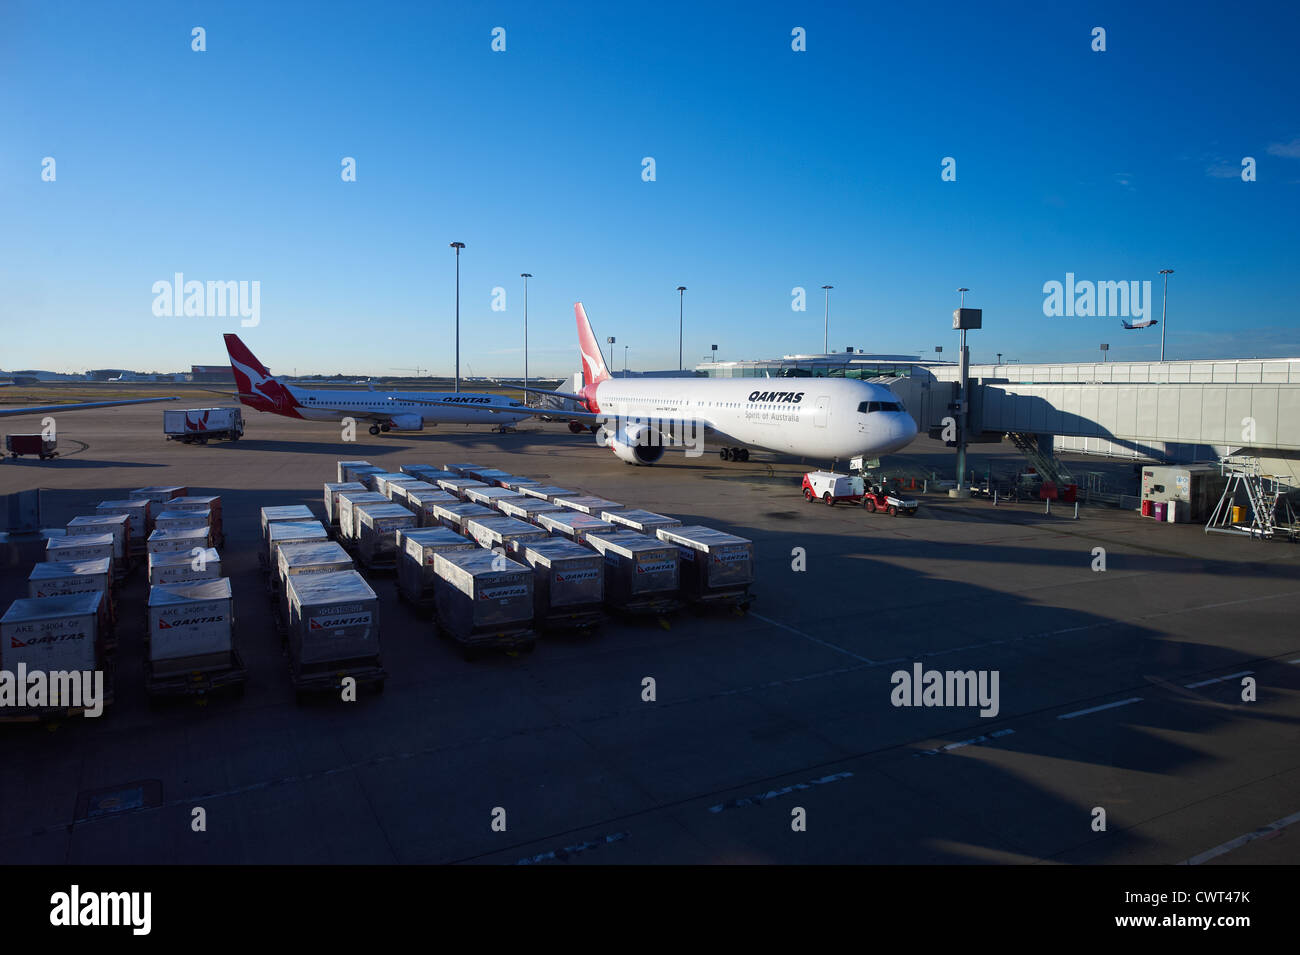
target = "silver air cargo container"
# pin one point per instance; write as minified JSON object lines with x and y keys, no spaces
{"x":332,"y":491}
{"x":360,"y":472}
{"x":300,"y":558}
{"x":573,"y":524}
{"x":716,"y":566}
{"x":400,"y":489}
{"x":489,"y":495}
{"x":51,"y":633}
{"x":349,"y":501}
{"x":508,"y":533}
{"x":158,"y":495}
{"x":119,"y":525}
{"x":486,"y":475}
{"x":454,"y":515}
{"x":588,"y":504}
{"x":282,"y":532}
{"x":526,"y":508}
{"x":483,"y":600}
{"x":517,"y":483}
{"x":459,"y":485}
{"x":65,"y":577}
{"x":384,"y":482}
{"x":416,"y":549}
{"x":192,"y":648}
{"x":377,"y":542}
{"x":643,"y":522}
{"x":183,"y":521}
{"x":421,"y":504}
{"x":198,"y":502}
{"x":178,"y":542}
{"x":80,"y":547}
{"x":284,"y":512}
{"x":568,"y":584}
{"x":184,"y":567}
{"x":641,"y":573}
{"x":547,"y":492}
{"x":427,"y":473}
{"x":461,"y":468}
{"x":343,"y":467}
{"x":333,"y":632}
{"x":140,"y":514}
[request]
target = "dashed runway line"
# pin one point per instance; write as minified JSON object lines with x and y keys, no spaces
{"x":1098,"y":709}
{"x":1217,"y":679}
{"x":1240,"y":841}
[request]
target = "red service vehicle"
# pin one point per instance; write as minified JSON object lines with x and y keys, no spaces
{"x":884,"y":500}
{"x":829,"y":487}
{"x":37,"y":444}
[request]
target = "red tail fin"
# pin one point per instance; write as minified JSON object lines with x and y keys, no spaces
{"x":593,"y":361}
{"x":256,"y":386}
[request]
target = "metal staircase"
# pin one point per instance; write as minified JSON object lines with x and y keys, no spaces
{"x":1271,"y":513}
{"x":1045,"y":464}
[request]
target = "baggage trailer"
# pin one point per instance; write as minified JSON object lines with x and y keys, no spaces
{"x":641,"y":572}
{"x":377,"y":542}
{"x":118,"y":525}
{"x":421,"y":504}
{"x":37,"y":444}
{"x":184,"y":567}
{"x":490,"y":496}
{"x":54,"y":634}
{"x":191,"y":641}
{"x":507,"y":533}
{"x":717,"y":568}
{"x":547,"y":492}
{"x":453,"y":514}
{"x":332,"y":491}
{"x":527,"y":508}
{"x":572,"y":524}
{"x":588,"y":504}
{"x":349,"y":501}
{"x":643,"y":522}
{"x":201,"y":425}
{"x":333,"y":633}
{"x":568,"y":584}
{"x":484,"y":600}
{"x":416,"y":549}
{"x":831,"y":488}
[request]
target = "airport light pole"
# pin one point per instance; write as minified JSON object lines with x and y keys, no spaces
{"x":999,"y":358}
{"x":458,"y":246}
{"x":525,"y":276}
{"x":826,"y":323}
{"x":625,"y":348}
{"x":962,"y":320}
{"x":1104,"y":349}
{"x":610,"y":339}
{"x":680,"y":290}
{"x":1164,"y":322}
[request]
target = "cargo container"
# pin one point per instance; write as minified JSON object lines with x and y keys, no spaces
{"x":516,"y":483}
{"x":461,"y":468}
{"x":298,"y":558}
{"x":342,"y":468}
{"x":568,"y":584}
{"x":54,"y":634}
{"x":140,"y":514}
{"x":643,"y":522}
{"x":37,"y":444}
{"x":332,"y":491}
{"x":383,"y":482}
{"x":421,"y":504}
{"x":82,"y":547}
{"x":459,"y":485}
{"x":507,"y":533}
{"x":587,"y":504}
{"x":197,"y":502}
{"x":484,"y":600}
{"x":192,"y":645}
{"x":284,"y":512}
{"x":716,"y":567}
{"x":349,"y":529}
{"x":489,"y":496}
{"x":282,"y":532}
{"x":185,"y":541}
{"x":183,"y":520}
{"x":119,"y":525}
{"x":416,"y":549}
{"x":65,"y":577}
{"x":1197,"y":487}
{"x":377,"y":539}
{"x":359,"y":472}
{"x":486,"y":475}
{"x":454,"y":515}
{"x":184,"y":567}
{"x":641,"y":572}
{"x":201,"y":425}
{"x":157,"y":496}
{"x":573,"y":524}
{"x":333,"y":632}
{"x":428,"y":473}
{"x":547,"y":492}
{"x":400,"y":489}
{"x":526,"y":508}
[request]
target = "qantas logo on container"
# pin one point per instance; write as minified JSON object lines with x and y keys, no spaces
{"x":189,"y":622}
{"x":333,"y":623}
{"x":15,"y":643}
{"x":497,"y":593}
{"x":570,"y":576}
{"x":658,"y":567}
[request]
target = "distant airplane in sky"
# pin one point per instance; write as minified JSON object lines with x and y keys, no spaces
{"x":1147,"y":323}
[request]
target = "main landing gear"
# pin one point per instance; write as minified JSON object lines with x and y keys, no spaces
{"x":734,"y":454}
{"x":376,"y":428}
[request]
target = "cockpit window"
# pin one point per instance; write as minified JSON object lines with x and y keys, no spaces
{"x":867,"y":407}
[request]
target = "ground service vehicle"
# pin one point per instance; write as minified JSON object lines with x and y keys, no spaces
{"x":37,"y":444}
{"x":829,"y":487}
{"x":879,"y":498}
{"x":199,"y":425}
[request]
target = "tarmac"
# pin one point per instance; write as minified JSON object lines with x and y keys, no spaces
{"x":772,"y":737}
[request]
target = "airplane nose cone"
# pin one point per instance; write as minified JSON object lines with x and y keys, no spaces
{"x":901,"y":431}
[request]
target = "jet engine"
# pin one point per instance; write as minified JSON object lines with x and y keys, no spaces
{"x":634,"y":444}
{"x":407,"y":422}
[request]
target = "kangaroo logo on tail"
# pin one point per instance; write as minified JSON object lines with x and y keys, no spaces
{"x":257,"y":387}
{"x":593,"y":360}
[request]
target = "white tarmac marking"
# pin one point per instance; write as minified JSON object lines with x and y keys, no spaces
{"x":1240,"y":841}
{"x":1218,"y":679}
{"x":1296,"y":660}
{"x":966,"y":742}
{"x":1098,"y":709}
{"x":800,"y":633}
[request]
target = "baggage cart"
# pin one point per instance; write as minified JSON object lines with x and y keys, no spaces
{"x":184,"y":567}
{"x":284,"y":512}
{"x":119,"y":525}
{"x":199,"y":502}
{"x":421,"y":504}
{"x":282,"y":532}
{"x":141,"y":520}
{"x":459,"y":485}
{"x":37,"y":444}
{"x":191,"y":640}
{"x":80,"y":547}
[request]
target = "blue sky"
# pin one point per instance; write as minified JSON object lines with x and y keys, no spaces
{"x":774,"y":169}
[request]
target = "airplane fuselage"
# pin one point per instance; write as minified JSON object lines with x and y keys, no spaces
{"x":433,"y":407}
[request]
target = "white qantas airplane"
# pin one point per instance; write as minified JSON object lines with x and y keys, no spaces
{"x":1143,"y":324}
{"x":392,"y":410}
{"x":836,"y":418}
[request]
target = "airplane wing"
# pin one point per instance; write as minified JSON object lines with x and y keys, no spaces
{"x":42,"y":409}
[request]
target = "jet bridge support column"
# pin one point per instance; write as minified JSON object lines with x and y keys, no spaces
{"x":962,"y":319}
